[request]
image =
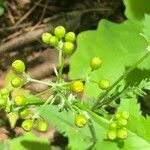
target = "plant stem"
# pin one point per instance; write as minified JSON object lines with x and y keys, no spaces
{"x":61,"y":65}
{"x":41,"y":82}
{"x":120,"y":79}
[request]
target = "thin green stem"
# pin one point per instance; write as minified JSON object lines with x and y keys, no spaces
{"x":42,"y":92}
{"x":120,"y":79}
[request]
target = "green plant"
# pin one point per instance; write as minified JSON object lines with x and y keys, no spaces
{"x":83,"y":119}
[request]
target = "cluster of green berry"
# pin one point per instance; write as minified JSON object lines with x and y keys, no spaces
{"x":61,"y":40}
{"x":80,"y":120}
{"x":18,"y":103}
{"x":117,"y":128}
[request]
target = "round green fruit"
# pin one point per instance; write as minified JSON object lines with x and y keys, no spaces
{"x":113,"y":126}
{"x":16,"y":82}
{"x":18,"y":66}
{"x":27,"y":125}
{"x":121,"y":122}
{"x":46,"y":37}
{"x":95,"y":63}
{"x":80,"y":120}
{"x":117,"y":115}
{"x":122,"y":133}
{"x":70,"y":37}
{"x":23,"y":112}
{"x":60,"y":32}
{"x":42,"y":126}
{"x":125,"y":114}
{"x":67,"y":48}
{"x":4,"y":92}
{"x":20,"y":100}
{"x":104,"y":84}
{"x":77,"y":86}
{"x":3,"y":102}
{"x":111,"y":134}
{"x":53,"y":41}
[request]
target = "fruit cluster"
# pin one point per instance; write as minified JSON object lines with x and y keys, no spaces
{"x":117,"y":128}
{"x":60,"y":40}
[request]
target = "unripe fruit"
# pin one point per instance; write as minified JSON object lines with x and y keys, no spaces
{"x":70,"y":37}
{"x":27,"y":125}
{"x":4,"y":92}
{"x":67,"y":48}
{"x":121,"y":122}
{"x":111,"y":134}
{"x":125,"y":114}
{"x":23,"y":112}
{"x":46,"y":37}
{"x":3,"y":102}
{"x":60,"y":31}
{"x":16,"y":82}
{"x":18,"y":66}
{"x":20,"y":100}
{"x":77,"y":86}
{"x":104,"y":84}
{"x":53,"y":41}
{"x":80,"y":121}
{"x":95,"y":63}
{"x":42,"y":126}
{"x":113,"y":126}
{"x":122,"y":133}
{"x":117,"y":115}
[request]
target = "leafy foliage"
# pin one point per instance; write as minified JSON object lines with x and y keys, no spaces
{"x":119,"y":46}
{"x":135,"y":9}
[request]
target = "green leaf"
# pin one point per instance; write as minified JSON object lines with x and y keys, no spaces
{"x":137,"y":124}
{"x":118,"y":45}
{"x":29,"y":142}
{"x":135,"y":9}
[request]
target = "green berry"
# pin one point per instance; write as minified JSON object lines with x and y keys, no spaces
{"x":121,"y":122}
{"x":80,"y":121}
{"x":122,"y":133}
{"x":125,"y":114}
{"x":70,"y":37}
{"x":16,"y":82}
{"x":4,"y":92}
{"x":27,"y":125}
{"x":46,"y":37}
{"x":111,"y":134}
{"x":42,"y":126}
{"x":23,"y":112}
{"x":77,"y":86}
{"x":60,"y":32}
{"x":95,"y":63}
{"x":104,"y":84}
{"x":3,"y":102}
{"x":67,"y":48}
{"x":20,"y":100}
{"x":117,"y":115}
{"x":18,"y":66}
{"x":53,"y":41}
{"x":113,"y":126}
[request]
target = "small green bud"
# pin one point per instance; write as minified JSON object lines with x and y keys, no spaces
{"x":18,"y":66}
{"x":42,"y":126}
{"x":20,"y":100}
{"x":16,"y":82}
{"x":104,"y":84}
{"x":113,"y":126}
{"x":67,"y":48}
{"x":46,"y":37}
{"x":77,"y":86}
{"x":53,"y":41}
{"x":122,"y":133}
{"x":60,"y":32}
{"x":27,"y":125}
{"x":4,"y":92}
{"x":125,"y":114}
{"x":70,"y":37}
{"x":95,"y":63}
{"x":111,"y":134}
{"x":121,"y":122}
{"x":80,"y":121}
{"x":3,"y":102}
{"x":23,"y":112}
